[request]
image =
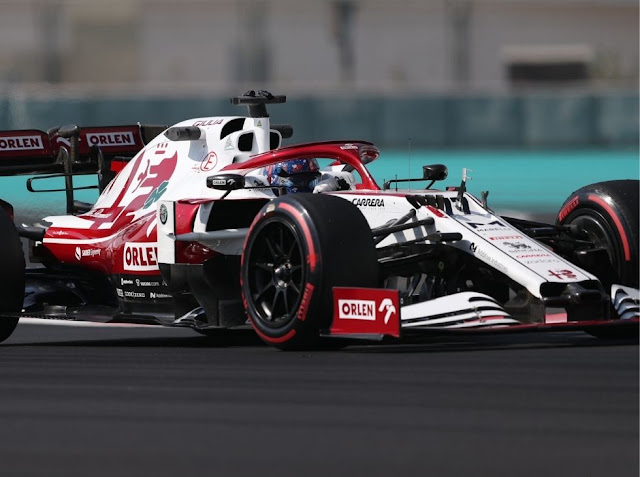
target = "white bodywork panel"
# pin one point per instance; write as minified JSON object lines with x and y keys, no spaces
{"x":626,"y":301}
{"x":195,"y":161}
{"x":460,"y":310}
{"x":485,"y":236}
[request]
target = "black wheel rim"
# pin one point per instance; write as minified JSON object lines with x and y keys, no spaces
{"x":599,"y":232}
{"x":276,"y":273}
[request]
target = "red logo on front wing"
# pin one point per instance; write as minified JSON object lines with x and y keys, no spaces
{"x":365,"y":311}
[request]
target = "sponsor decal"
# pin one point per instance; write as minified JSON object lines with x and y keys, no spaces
{"x":562,"y":274}
{"x":494,"y":262}
{"x":368,"y":202}
{"x":388,"y":308}
{"x":532,"y":255}
{"x":304,"y":304}
{"x":163,"y":214}
{"x":365,"y":311}
{"x":111,"y":139}
{"x":156,"y":194}
{"x":357,"y":310}
{"x":159,"y":295}
{"x":506,"y":237}
{"x":473,"y":247}
{"x":517,"y":245}
{"x":223,"y":181}
{"x":20,"y":143}
{"x":140,"y":257}
{"x":134,"y":294}
{"x":258,"y":123}
{"x":349,"y":146}
{"x":487,"y":227}
{"x":124,"y":281}
{"x":120,"y":292}
{"x":208,"y":122}
{"x":145,"y":283}
{"x":209,"y":162}
{"x":228,"y":146}
{"x":89,"y":252}
{"x":566,"y":210}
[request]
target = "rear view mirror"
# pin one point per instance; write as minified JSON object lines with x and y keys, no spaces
{"x":226,"y":182}
{"x":435,"y":172}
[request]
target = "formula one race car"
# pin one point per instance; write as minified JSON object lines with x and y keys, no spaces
{"x":191,"y":229}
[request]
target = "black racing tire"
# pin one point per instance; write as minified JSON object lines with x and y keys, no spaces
{"x":298,"y":248}
{"x":608,"y":213}
{"x":12,"y":273}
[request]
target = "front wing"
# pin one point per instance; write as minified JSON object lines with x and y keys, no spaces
{"x":370,"y":313}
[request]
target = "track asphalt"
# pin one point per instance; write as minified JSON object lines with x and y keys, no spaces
{"x":93,"y":401}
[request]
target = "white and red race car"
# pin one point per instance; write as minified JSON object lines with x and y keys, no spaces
{"x":188,"y":231}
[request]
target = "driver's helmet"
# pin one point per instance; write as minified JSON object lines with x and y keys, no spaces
{"x":295,"y":175}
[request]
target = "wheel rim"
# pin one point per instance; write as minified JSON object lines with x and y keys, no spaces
{"x":276,"y":273}
{"x":599,"y":232}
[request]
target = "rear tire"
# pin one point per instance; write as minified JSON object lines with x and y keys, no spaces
{"x":12,"y":273}
{"x":608,"y":213}
{"x":298,"y":248}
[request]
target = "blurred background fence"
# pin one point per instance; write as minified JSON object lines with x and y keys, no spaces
{"x":533,"y":120}
{"x":537,"y":96}
{"x":445,"y":73}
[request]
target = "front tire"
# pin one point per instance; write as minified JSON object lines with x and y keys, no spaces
{"x":298,"y":248}
{"x":12,"y":273}
{"x":608,"y":213}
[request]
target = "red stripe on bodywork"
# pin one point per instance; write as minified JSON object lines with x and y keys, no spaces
{"x":434,"y":211}
{"x":312,"y":257}
{"x":616,"y":220}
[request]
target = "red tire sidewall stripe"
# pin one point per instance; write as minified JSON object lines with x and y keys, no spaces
{"x":616,"y":220}
{"x":312,"y":257}
{"x":270,"y":339}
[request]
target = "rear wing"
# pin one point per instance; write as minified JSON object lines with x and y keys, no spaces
{"x":70,"y":151}
{"x":30,"y":151}
{"x":25,"y":151}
